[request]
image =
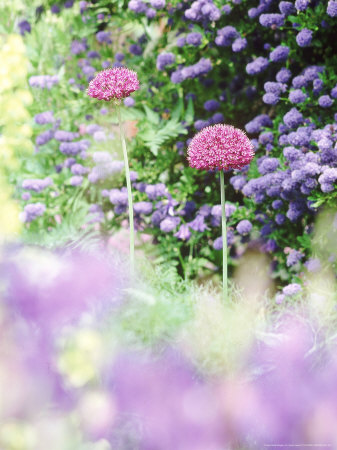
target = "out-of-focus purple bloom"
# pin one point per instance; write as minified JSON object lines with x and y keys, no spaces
{"x":143,"y":207}
{"x":129,"y":102}
{"x":202,"y":11}
{"x":151,"y":13}
{"x":169,"y":224}
{"x":225,"y":36}
{"x":44,"y":137}
{"x":32,"y":211}
{"x":24,"y":27}
{"x":65,"y":136}
{"x":69,"y":4}
{"x":43,"y":81}
{"x":157,"y":4}
{"x":293,"y":118}
{"x":137,"y":6}
{"x":244,"y":227}
{"x":255,"y":125}
{"x":118,"y":197}
{"x":78,"y":169}
{"x":217,"y":244}
{"x":211,"y":105}
{"x":184,"y":233}
{"x":279,"y":298}
{"x":55,"y":9}
{"x":313,"y":265}
{"x":44,"y":118}
{"x":194,"y":39}
{"x":165,"y":59}
{"x":283,"y":75}
{"x":301,"y":5}
{"x":36,"y":184}
{"x":325,"y":101}
{"x":270,"y":99}
{"x":104,"y":37}
{"x":280,"y":219}
{"x":26,"y":196}
{"x":198,"y":224}
{"x":279,"y":54}
{"x":297,"y":96}
{"x":217,"y":118}
{"x":74,"y":148}
{"x":294,"y":257}
{"x":271,"y":20}
{"x":76,"y":180}
{"x":287,"y":8}
{"x":257,"y":66}
{"x":291,"y":289}
{"x":304,"y":37}
{"x":154,"y":191}
{"x":331,"y":9}
{"x":78,"y":47}
{"x":135,"y":49}
{"x":268,"y":165}
{"x":239,"y":44}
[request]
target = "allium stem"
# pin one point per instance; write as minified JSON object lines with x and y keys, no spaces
{"x":128,"y":185}
{"x":224,"y":237}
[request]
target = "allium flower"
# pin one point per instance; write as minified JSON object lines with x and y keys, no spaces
{"x":304,"y":37}
{"x":220,"y":147}
{"x":114,"y":83}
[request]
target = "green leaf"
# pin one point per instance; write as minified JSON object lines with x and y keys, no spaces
{"x":151,"y":116}
{"x":304,"y":241}
{"x":177,"y":112}
{"x":189,"y":115}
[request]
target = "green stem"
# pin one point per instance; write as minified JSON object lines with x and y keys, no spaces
{"x":128,"y":185}
{"x":224,"y":237}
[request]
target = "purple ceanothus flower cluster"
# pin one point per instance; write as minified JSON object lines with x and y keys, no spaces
{"x":202,"y":67}
{"x":43,"y":81}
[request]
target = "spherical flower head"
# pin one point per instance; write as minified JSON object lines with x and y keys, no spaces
{"x":220,"y":147}
{"x":244,"y":227}
{"x":280,"y":53}
{"x":113,"y":84}
{"x":325,"y":101}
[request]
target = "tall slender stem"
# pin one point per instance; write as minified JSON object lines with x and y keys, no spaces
{"x":128,"y":185}
{"x":224,"y":237}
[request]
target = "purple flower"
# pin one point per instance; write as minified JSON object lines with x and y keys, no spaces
{"x":293,"y":118}
{"x":313,"y":265}
{"x":257,"y":66}
{"x":217,"y":118}
{"x":268,"y":165}
{"x":26,"y":196}
{"x":65,"y":136}
{"x":55,"y":9}
{"x":238,"y":181}
{"x":226,"y":35}
{"x":32,"y":211}
{"x":255,"y":125}
{"x":154,"y":191}
{"x":135,"y":49}
{"x":78,"y":169}
{"x":279,"y":298}
{"x":104,"y":37}
{"x":211,"y":105}
{"x":239,"y":44}
{"x":78,"y":47}
{"x":198,"y":224}
{"x":279,"y":54}
{"x":157,"y":4}
{"x":169,"y":224}
{"x":244,"y":227}
{"x":286,"y":8}
{"x":294,"y":257}
{"x":183,"y":233}
{"x":74,"y":148}
{"x":164,"y":59}
{"x":36,"y":184}
{"x":44,"y":118}
{"x":194,"y":39}
{"x":297,"y":96}
{"x":129,"y":102}
{"x":283,"y":75}
{"x":271,"y":20}
{"x":333,"y":91}
{"x":143,"y":207}
{"x":217,"y":244}
{"x":25,"y":27}
{"x":270,"y":99}
{"x":301,"y":5}
{"x":277,"y":204}
{"x":76,"y":180}
{"x":325,"y":101}
{"x":137,"y":6}
{"x":291,"y":289}
{"x":44,"y":137}
{"x":304,"y":37}
{"x":280,"y":219}
{"x":43,"y":81}
{"x":331,"y":9}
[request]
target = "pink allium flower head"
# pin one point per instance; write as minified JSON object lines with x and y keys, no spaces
{"x":220,"y":147}
{"x":116,"y":83}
